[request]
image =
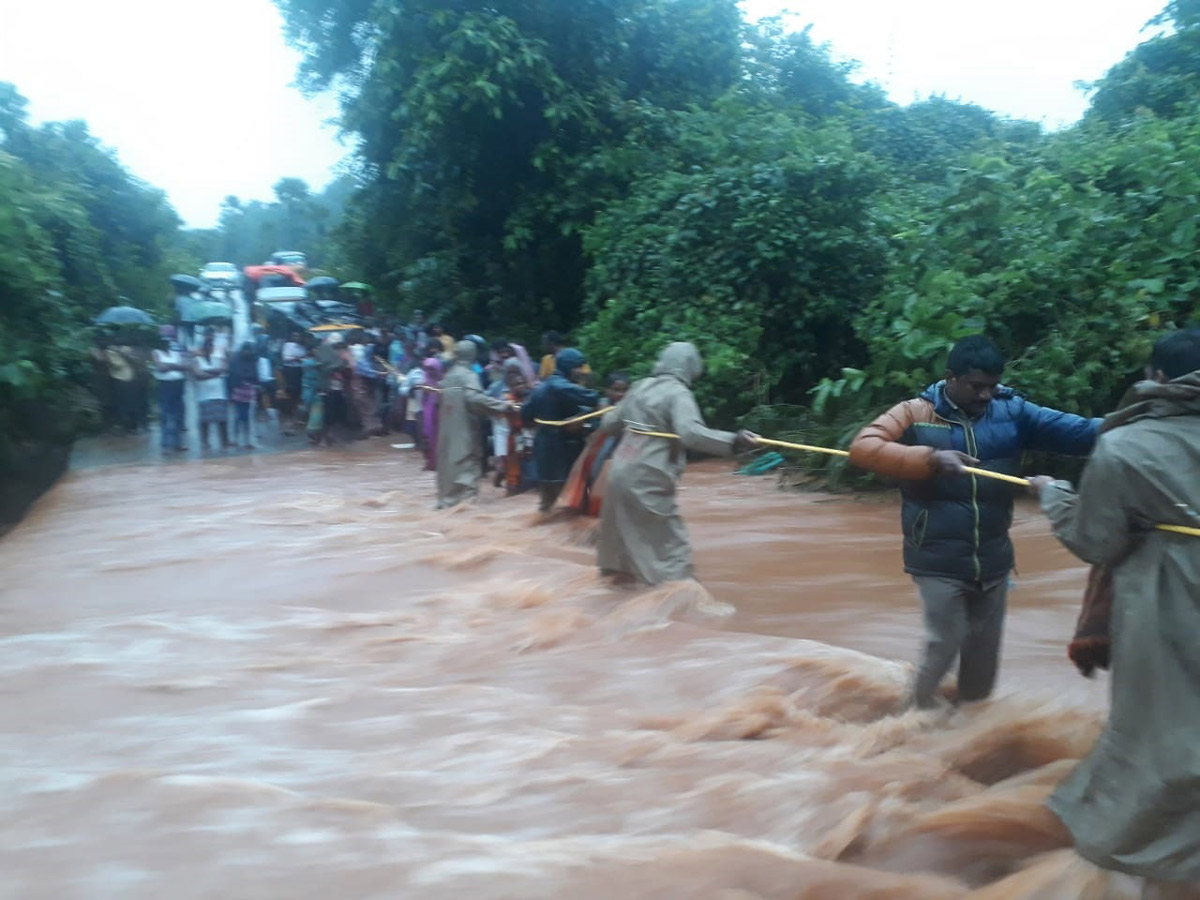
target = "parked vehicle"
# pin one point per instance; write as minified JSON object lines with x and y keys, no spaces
{"x":291,"y":258}
{"x":285,"y":309}
{"x":220,"y":273}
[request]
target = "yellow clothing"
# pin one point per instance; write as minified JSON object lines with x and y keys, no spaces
{"x":548,"y":367}
{"x":447,"y":342}
{"x":119,"y":365}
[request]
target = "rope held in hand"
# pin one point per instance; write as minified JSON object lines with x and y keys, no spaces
{"x":583,"y":418}
{"x":972,"y":470}
{"x":787,"y":445}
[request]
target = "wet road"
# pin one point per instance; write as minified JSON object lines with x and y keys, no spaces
{"x":267,"y":676}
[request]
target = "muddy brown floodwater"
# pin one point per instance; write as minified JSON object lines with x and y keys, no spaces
{"x":287,"y":677}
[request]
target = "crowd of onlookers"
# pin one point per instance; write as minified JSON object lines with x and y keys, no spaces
{"x":332,"y":383}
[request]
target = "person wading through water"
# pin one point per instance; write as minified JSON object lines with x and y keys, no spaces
{"x":1133,"y":805}
{"x":555,"y":448}
{"x":459,"y":444}
{"x":956,"y":543}
{"x":642,"y":536}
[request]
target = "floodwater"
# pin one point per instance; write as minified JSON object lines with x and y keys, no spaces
{"x":287,"y":677}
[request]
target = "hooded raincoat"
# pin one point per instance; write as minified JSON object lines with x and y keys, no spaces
{"x":1133,"y":805}
{"x":641,"y":531}
{"x":459,"y":446}
{"x":556,"y":448}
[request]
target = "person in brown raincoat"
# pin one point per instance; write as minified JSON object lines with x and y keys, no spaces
{"x":1133,"y":805}
{"x":461,"y":402}
{"x":642,"y":535}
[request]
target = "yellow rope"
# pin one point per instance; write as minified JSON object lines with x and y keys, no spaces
{"x":787,"y":445}
{"x":1179,"y":529}
{"x":790,"y":446}
{"x":984,"y":473}
{"x":583,"y":418}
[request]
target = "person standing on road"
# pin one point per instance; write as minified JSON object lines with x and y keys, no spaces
{"x":123,"y":374}
{"x":642,"y":536}
{"x":212,"y":393}
{"x":292,"y":358}
{"x":1133,"y":805}
{"x":956,"y":543}
{"x":243,"y":392}
{"x":171,"y":366}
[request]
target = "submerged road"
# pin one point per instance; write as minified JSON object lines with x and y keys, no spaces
{"x":284,"y":675}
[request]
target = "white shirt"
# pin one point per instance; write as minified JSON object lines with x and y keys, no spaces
{"x":266,"y":371}
{"x":293,"y":354}
{"x":170,"y":357}
{"x":211,"y":388}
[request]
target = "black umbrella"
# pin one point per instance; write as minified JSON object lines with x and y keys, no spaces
{"x":124,"y":315}
{"x":186,"y":281}
{"x":322,"y":281}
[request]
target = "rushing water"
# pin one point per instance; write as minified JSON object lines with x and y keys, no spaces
{"x":285,"y":676}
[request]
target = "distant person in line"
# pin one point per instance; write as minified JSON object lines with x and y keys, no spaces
{"x":292,"y":358}
{"x":243,"y":392}
{"x":1133,"y":805}
{"x":212,"y":397}
{"x":417,"y":331}
{"x":956,"y":543}
{"x":268,"y":384}
{"x":462,"y":403}
{"x":408,"y":387}
{"x":171,"y":365}
{"x":642,"y":536}
{"x":555,"y":448}
{"x":431,"y":378}
{"x":326,"y":407}
{"x":514,"y":454}
{"x":552,"y":343}
{"x":438,"y":333}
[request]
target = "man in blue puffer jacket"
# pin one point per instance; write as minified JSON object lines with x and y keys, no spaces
{"x":956,"y":543}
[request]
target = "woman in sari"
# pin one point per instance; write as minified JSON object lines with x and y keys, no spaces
{"x":432,"y":370}
{"x":515,"y":467}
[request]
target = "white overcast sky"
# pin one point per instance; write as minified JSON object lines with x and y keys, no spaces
{"x":197,"y":98}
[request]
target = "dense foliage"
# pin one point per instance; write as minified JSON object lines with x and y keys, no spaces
{"x":78,"y":234}
{"x":645,"y":170}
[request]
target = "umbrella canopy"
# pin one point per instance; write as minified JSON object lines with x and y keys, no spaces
{"x":211,"y":309}
{"x":335,"y":326}
{"x":186,"y":281}
{"x":124,"y":315}
{"x":356,"y":286}
{"x":323,"y":281}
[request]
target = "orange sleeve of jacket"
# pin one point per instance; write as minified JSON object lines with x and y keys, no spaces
{"x":877,"y":450}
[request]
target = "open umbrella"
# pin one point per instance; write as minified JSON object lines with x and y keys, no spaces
{"x":211,"y":309}
{"x":356,"y":286}
{"x":124,"y":315}
{"x":186,"y":281}
{"x":323,"y":281}
{"x":335,"y":326}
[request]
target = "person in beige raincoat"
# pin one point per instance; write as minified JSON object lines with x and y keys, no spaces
{"x":642,"y":535}
{"x":1133,"y":805}
{"x":461,"y":402}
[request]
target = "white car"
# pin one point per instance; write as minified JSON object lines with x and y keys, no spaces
{"x":220,"y":273}
{"x":291,"y":258}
